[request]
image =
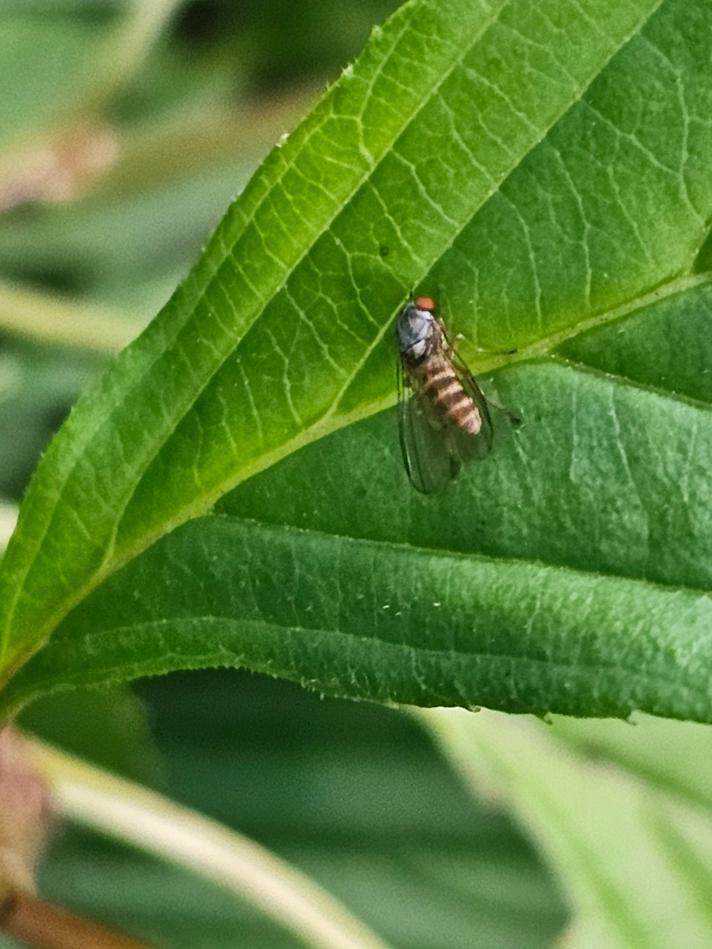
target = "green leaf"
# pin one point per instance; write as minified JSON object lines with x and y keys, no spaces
{"x":637,"y":867}
{"x":471,"y":151}
{"x":674,"y":756}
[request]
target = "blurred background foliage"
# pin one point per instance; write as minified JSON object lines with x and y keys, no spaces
{"x":125,"y":132}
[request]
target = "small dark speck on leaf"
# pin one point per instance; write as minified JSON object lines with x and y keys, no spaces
{"x":384,"y":250}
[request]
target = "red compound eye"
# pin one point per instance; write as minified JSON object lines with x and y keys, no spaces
{"x":425,"y":303}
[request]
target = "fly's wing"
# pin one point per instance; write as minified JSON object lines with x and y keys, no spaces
{"x":429,"y":455}
{"x":496,"y":420}
{"x":434,"y":447}
{"x":465,"y":446}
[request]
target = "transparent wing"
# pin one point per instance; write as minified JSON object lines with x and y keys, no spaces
{"x":496,"y":420}
{"x":428,"y":453}
{"x":435,"y":448}
{"x":472,"y":447}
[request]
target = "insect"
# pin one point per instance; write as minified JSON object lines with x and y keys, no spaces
{"x":443,"y":415}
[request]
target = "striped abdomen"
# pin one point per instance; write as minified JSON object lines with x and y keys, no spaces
{"x":441,"y":385}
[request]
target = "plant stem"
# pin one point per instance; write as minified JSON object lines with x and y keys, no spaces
{"x":50,"y":319}
{"x":46,"y":926}
{"x":151,"y":822}
{"x":121,"y":55}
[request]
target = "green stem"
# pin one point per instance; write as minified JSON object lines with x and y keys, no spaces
{"x":149,"y":821}
{"x":50,"y":319}
{"x":122,"y":54}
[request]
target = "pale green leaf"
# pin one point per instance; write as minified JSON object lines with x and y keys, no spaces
{"x":635,"y":860}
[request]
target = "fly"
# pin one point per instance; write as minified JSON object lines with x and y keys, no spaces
{"x":444,"y":417}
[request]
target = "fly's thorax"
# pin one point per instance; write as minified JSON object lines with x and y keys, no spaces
{"x":418,"y":334}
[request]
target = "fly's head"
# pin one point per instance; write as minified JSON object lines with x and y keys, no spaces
{"x":417,"y":330}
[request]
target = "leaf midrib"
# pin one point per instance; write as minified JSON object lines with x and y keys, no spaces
{"x":648,"y":297}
